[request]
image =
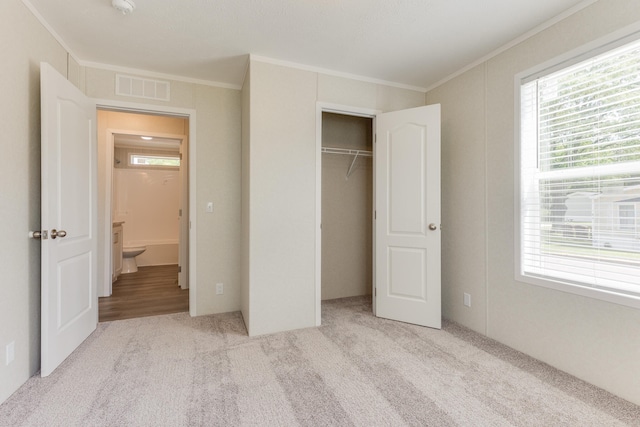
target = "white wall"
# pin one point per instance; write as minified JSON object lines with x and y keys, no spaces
{"x":591,"y":339}
{"x":279,"y":172}
{"x":147,"y":201}
{"x":24,"y":43}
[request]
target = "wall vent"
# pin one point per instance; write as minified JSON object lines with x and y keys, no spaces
{"x":142,"y":88}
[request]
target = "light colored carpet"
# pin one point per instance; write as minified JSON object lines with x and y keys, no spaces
{"x":174,"y":370}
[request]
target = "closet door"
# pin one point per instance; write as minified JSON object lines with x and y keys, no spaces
{"x":407,"y":182}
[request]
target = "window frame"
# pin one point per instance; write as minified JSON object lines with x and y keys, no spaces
{"x":602,"y":45}
{"x":164,"y":156}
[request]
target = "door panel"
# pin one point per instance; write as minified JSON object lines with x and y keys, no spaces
{"x":75,"y":297}
{"x":407,"y":278}
{"x":69,"y":203}
{"x":407,"y":202}
{"x":405,"y":158}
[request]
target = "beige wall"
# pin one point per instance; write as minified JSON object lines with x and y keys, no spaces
{"x":280,"y":174}
{"x":24,"y":43}
{"x":463,"y":171}
{"x":281,"y":198}
{"x":594,"y":340}
{"x":218,"y":180}
{"x":245,"y":276}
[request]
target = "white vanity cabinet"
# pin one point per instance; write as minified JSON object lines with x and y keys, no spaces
{"x":116,"y":252}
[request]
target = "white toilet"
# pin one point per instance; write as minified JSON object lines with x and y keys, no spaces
{"x":129,"y":258}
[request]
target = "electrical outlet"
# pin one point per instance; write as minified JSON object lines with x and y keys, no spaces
{"x":210,"y":207}
{"x":219,"y":288}
{"x":11,"y":352}
{"x":467,"y":299}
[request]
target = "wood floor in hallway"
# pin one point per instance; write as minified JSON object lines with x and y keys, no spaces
{"x":148,"y":292}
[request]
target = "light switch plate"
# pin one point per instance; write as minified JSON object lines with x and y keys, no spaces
{"x":11,"y":352}
{"x":467,"y":299}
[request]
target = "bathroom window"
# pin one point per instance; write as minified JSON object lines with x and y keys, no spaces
{"x":152,"y":160}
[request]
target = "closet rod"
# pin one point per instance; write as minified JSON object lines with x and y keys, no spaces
{"x":347,"y":151}
{"x":354,"y":153}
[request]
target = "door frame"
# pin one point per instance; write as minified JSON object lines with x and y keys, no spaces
{"x":190,"y":114}
{"x":347,"y":110}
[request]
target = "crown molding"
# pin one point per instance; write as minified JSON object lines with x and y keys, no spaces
{"x":329,"y":72}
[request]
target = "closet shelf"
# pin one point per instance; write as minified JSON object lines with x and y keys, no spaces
{"x":347,"y":151}
{"x":350,"y":152}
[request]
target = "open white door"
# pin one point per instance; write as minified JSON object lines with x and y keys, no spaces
{"x":407,"y":182}
{"x":69,"y":218}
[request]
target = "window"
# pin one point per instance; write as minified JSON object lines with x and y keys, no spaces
{"x":580,"y":176}
{"x":154,"y":160}
{"x":627,"y":214}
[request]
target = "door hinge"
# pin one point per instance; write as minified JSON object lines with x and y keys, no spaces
{"x":375,"y":137}
{"x":180,"y":156}
{"x":179,"y":269}
{"x":375,"y":292}
{"x":375,"y":214}
{"x":179,"y":212}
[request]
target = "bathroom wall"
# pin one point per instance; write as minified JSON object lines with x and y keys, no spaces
{"x":147,"y":200}
{"x":157,"y":253}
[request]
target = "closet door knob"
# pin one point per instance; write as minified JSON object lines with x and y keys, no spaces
{"x":432,"y":227}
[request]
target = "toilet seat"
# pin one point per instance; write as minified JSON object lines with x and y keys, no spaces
{"x":131,"y":249}
{"x":129,"y":255}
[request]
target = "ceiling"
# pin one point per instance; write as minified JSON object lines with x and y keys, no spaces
{"x":412,"y":42}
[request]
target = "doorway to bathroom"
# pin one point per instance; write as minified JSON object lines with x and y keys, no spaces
{"x":146,"y":214}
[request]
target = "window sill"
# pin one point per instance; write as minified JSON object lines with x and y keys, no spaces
{"x":601,"y":294}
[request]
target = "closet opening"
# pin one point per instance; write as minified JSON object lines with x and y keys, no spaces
{"x":346,"y":169}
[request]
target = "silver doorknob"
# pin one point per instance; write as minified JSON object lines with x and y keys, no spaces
{"x":57,"y":233}
{"x":432,"y":227}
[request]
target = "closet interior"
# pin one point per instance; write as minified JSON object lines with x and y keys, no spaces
{"x":347,"y":205}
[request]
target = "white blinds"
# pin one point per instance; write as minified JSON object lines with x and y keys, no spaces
{"x":580,"y":173}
